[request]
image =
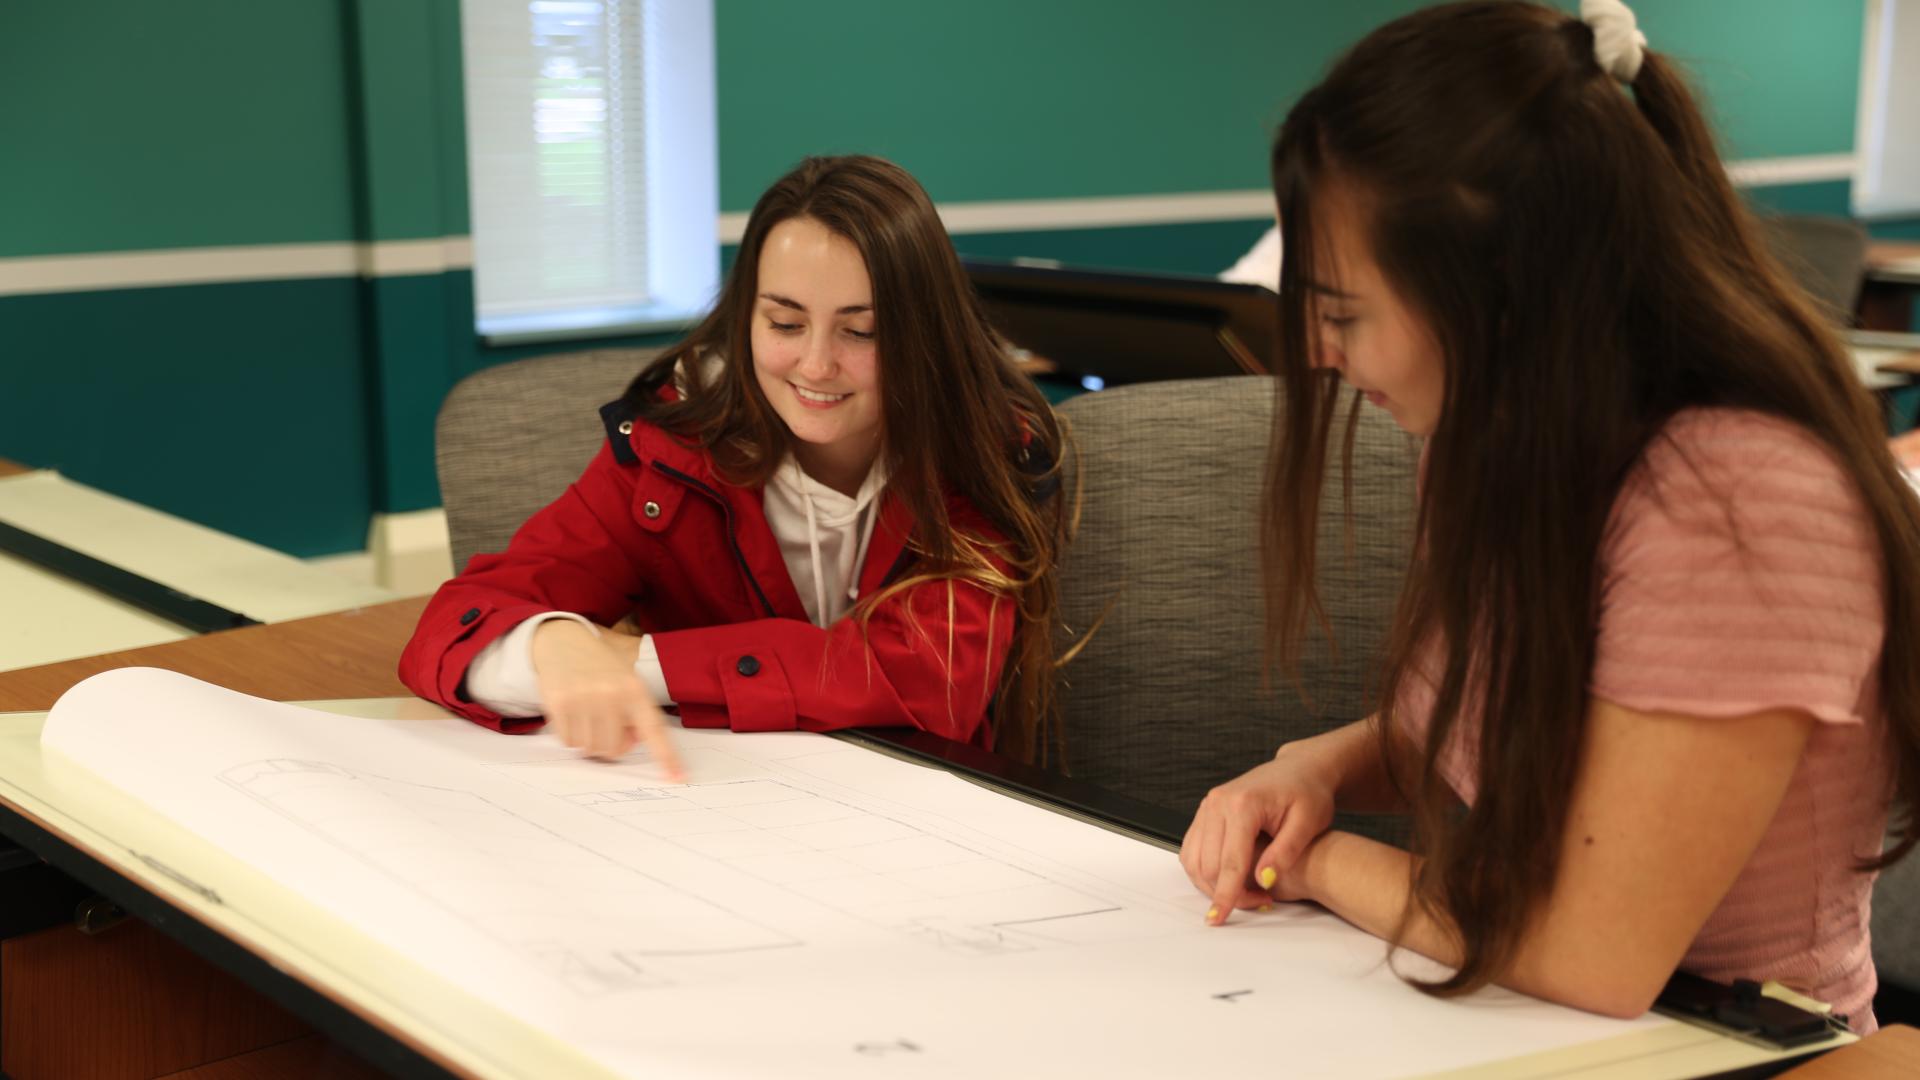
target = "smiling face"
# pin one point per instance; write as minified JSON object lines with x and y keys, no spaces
{"x":813,"y":349}
{"x":1362,"y":329}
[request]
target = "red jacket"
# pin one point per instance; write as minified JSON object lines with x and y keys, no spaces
{"x":649,"y":530}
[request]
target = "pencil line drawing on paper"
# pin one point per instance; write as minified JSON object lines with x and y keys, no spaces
{"x":865,"y":864}
{"x":593,"y":922}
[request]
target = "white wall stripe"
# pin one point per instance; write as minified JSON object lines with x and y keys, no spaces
{"x":1041,"y":215}
{"x":182,"y":266}
{"x":271,"y":262}
{"x":218,"y":265}
{"x":396,"y":258}
{"x":1806,"y":169}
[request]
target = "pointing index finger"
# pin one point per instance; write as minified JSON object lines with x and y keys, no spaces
{"x":1236,"y":856}
{"x":659,"y":743}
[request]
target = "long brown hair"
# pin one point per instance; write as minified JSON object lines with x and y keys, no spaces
{"x":958,"y":417}
{"x":1588,"y":271}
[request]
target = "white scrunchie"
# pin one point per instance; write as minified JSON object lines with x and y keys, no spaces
{"x":1617,"y":41}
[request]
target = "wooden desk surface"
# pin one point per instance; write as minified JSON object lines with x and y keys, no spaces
{"x":1904,"y":364}
{"x":1892,"y":282}
{"x":347,"y":654}
{"x":1886,"y":1054}
{"x":1881,"y":253}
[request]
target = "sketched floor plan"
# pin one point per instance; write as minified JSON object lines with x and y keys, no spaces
{"x":506,"y":875}
{"x":863,"y":863}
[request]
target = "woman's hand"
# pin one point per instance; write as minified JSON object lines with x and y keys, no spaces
{"x":1245,"y":846}
{"x":594,"y":700}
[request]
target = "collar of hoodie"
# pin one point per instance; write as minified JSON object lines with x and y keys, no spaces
{"x":826,"y":513}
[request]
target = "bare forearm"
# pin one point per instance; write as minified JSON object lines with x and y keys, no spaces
{"x":1368,"y":883}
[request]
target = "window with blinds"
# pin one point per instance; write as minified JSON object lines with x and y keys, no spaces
{"x":591,"y":165}
{"x":1886,"y":180}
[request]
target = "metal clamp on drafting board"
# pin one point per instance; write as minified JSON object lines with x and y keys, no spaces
{"x":1744,"y":1012}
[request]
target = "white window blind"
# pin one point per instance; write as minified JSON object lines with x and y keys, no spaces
{"x":591,"y":161}
{"x":1886,"y":180}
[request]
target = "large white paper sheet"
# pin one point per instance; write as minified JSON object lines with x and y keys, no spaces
{"x":801,"y":907}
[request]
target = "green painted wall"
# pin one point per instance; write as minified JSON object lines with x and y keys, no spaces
{"x":211,"y":122}
{"x":1013,"y":99}
{"x":1780,"y":77}
{"x":239,"y":406}
{"x":128,"y":124}
{"x":287,"y":412}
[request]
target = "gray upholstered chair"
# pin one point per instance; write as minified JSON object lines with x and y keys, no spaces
{"x":1896,"y":940}
{"x":510,"y":439}
{"x":1826,"y":255}
{"x":1167,"y":698}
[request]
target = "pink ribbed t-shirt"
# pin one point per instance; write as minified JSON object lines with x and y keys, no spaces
{"x":1740,"y":574}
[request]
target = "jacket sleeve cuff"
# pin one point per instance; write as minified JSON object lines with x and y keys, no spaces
{"x":501,"y":676}
{"x":442,"y":653}
{"x":726,"y":682}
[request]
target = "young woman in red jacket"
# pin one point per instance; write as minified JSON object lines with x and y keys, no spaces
{"x":833,"y":505}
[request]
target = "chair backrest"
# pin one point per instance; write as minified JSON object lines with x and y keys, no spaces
{"x":510,"y":439}
{"x":1826,"y":255}
{"x":1167,"y":699}
{"x":1896,"y":930}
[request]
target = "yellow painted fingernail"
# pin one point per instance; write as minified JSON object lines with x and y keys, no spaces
{"x":1268,"y":875}
{"x":1213,"y":913}
{"x":1266,"y":907}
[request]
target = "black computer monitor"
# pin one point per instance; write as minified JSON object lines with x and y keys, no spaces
{"x":1108,"y":327}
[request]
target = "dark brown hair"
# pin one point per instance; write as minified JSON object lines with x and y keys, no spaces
{"x":1587,"y":270}
{"x":958,"y":417}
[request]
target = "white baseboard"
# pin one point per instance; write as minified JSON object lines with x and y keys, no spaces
{"x":410,"y":552}
{"x":407,"y":554}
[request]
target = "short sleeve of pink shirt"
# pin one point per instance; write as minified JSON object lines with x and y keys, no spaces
{"x":1741,"y":574}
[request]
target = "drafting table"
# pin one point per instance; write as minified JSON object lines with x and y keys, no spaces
{"x":275,"y":947}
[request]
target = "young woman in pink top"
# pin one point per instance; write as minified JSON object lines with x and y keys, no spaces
{"x":1651,"y":687}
